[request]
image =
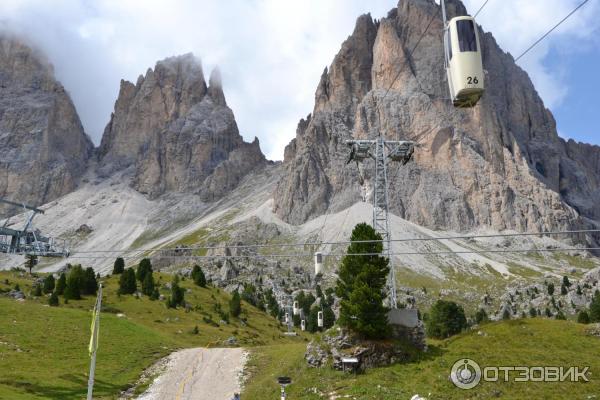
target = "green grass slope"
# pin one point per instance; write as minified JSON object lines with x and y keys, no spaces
{"x":531,"y":342}
{"x":43,"y":350}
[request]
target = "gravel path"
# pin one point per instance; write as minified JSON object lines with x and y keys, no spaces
{"x":199,"y":374}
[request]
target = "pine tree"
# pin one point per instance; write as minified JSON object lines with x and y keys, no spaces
{"x":328,"y":317}
{"x":74,"y":282}
{"x":560,"y":315}
{"x":144,"y":267}
{"x":506,"y":314}
{"x":446,"y":318}
{"x":550,"y":289}
{"x":583,"y":317}
{"x":53,"y":300}
{"x":155,"y":294}
{"x":563,"y":289}
{"x":177,"y":294}
{"x":235,"y":305}
{"x":312,"y":320}
{"x":119,"y":266}
{"x":49,"y":284}
{"x":548,"y":312}
{"x":579,"y":292}
{"x":89,"y":284}
{"x":566,"y":281}
{"x":127,"y":283}
{"x":361,"y":285}
{"x":37,"y":290}
{"x":595,"y":308}
{"x":61,"y":284}
{"x":198,"y":276}
{"x":148,"y":285}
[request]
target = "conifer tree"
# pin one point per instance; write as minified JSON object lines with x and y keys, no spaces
{"x":446,"y":318}
{"x":583,"y":317}
{"x":53,"y":300}
{"x":235,"y":305}
{"x":74,"y":282}
{"x":127,"y":283}
{"x":361,"y":285}
{"x":198,"y":276}
{"x":595,"y":308}
{"x":61,"y":283}
{"x":119,"y":266}
{"x":49,"y":284}
{"x":89,"y":284}
{"x":148,"y":285}
{"x":144,"y":267}
{"x":177,"y":294}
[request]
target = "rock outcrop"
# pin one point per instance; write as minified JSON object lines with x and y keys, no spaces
{"x":44,"y":150}
{"x":500,"y":164}
{"x":177,"y":133}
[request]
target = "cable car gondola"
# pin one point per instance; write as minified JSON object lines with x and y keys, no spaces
{"x":464,"y":67}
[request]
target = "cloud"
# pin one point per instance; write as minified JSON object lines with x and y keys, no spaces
{"x":271,"y":53}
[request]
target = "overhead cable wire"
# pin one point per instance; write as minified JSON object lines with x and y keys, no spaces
{"x":480,"y":8}
{"x":408,"y":253}
{"x":308,"y":244}
{"x":550,"y":31}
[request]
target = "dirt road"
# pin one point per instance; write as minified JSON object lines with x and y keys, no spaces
{"x":199,"y":374}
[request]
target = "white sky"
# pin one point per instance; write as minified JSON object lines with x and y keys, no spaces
{"x":271,"y":52}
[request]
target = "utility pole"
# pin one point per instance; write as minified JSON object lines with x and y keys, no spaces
{"x":396,"y":151}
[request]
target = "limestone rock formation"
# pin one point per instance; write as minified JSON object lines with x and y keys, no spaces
{"x":500,"y":164}
{"x":43,"y":148}
{"x":177,"y":133}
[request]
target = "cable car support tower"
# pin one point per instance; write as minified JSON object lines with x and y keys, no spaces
{"x":384,"y":151}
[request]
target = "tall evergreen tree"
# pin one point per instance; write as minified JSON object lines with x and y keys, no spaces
{"x":49,"y":284}
{"x":177,"y":294}
{"x":361,"y":285}
{"x":119,"y":266}
{"x":312,"y":320}
{"x":144,"y":267}
{"x":198,"y":276}
{"x":127,"y":283}
{"x":148,"y":285}
{"x":89,"y":284}
{"x":595,"y":308}
{"x":328,"y":317}
{"x":74,"y":282}
{"x":60,"y":284}
{"x":235,"y":305}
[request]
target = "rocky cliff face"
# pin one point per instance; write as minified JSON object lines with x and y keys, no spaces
{"x":500,"y":164}
{"x":177,"y":133}
{"x":43,"y":148}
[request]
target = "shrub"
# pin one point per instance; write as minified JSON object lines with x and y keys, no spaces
{"x":53,"y":300}
{"x":446,"y":318}
{"x":566,"y":281}
{"x":532,"y":312}
{"x":561,"y":316}
{"x":550,"y":289}
{"x":37,"y":290}
{"x":481,"y":316}
{"x":583,"y":317}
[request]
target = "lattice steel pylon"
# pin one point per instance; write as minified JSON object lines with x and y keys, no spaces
{"x":397,"y":151}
